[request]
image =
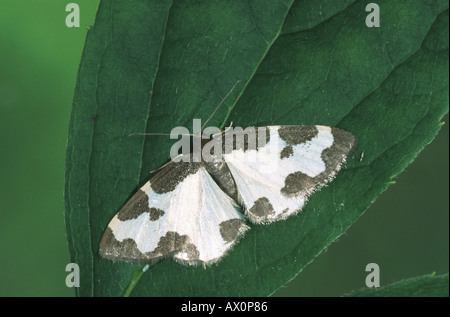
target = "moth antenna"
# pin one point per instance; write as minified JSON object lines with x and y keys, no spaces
{"x":210,"y":117}
{"x":227,"y":128}
{"x":166,"y":134}
{"x":161,"y":167}
{"x":218,"y":106}
{"x":131,"y":134}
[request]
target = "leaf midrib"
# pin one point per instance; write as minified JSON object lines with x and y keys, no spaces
{"x":153,"y":85}
{"x":269,"y":46}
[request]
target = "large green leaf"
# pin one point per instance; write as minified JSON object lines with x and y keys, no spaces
{"x":422,"y":286}
{"x":150,"y":66}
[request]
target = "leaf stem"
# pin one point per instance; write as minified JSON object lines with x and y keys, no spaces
{"x":135,"y":278}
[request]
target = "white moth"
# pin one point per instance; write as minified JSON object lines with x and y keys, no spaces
{"x":196,"y":211}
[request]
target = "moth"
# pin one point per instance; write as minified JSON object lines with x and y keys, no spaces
{"x":195,"y":212}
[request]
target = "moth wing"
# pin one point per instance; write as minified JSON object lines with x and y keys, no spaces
{"x":181,"y":212}
{"x":274,"y":181}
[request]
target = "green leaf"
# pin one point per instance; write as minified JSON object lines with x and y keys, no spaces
{"x":151,"y":66}
{"x":423,"y":286}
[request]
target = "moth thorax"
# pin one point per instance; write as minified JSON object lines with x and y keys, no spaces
{"x":222,"y":176}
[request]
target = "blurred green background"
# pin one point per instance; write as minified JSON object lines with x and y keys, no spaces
{"x":406,"y":231}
